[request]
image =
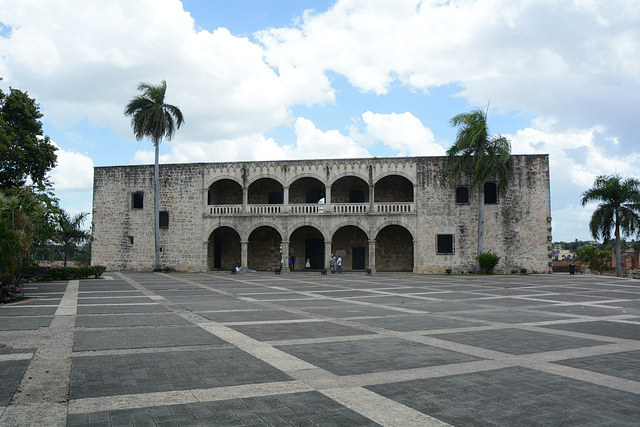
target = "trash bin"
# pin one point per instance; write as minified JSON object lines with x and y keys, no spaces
{"x":572,"y":269}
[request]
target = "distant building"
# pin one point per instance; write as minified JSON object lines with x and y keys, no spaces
{"x":382,"y":214}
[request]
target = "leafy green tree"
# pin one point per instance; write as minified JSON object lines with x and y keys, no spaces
{"x":19,"y":217}
{"x":596,"y":259}
{"x":480,"y":155}
{"x":151,"y":117}
{"x":636,"y":246}
{"x":69,"y":232}
{"x":25,"y":153}
{"x":619,"y":210}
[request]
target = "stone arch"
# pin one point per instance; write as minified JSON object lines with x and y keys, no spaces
{"x":306,"y":189}
{"x":258,"y":177}
{"x":221,"y":177}
{"x":263,"y":248}
{"x":343,"y":188}
{"x":224,"y":191}
{"x":351,"y":242}
{"x":269,"y":191}
{"x":224,"y":250}
{"x":341,"y":175}
{"x":385,"y":174}
{"x":332,"y":232}
{"x":394,"y":248}
{"x":265,"y":224}
{"x":385,"y":224}
{"x":296,"y":176}
{"x":393,"y":188}
{"x":307,"y":241}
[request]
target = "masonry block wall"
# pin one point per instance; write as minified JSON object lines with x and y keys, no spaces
{"x":383,"y":214}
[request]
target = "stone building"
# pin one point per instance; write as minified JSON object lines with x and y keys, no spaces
{"x":382,"y":214}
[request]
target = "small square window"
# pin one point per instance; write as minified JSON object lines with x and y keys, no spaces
{"x":164,"y":219}
{"x":444,"y":244}
{"x":130,"y":239}
{"x":490,"y":193}
{"x":462,"y":195}
{"x":137,"y":200}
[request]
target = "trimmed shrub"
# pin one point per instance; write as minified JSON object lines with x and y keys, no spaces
{"x":488,"y":261}
{"x":75,"y":273}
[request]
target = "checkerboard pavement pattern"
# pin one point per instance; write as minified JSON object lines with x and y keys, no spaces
{"x":311,"y":350}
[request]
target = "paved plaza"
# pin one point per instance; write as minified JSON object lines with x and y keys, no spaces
{"x":305,"y":349}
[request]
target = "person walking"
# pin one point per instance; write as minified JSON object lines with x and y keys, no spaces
{"x":339,"y":263}
{"x":332,"y":264}
{"x":307,"y":265}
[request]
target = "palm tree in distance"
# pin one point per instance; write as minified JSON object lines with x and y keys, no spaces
{"x":619,"y":210}
{"x":481,"y":155}
{"x":151,"y":117}
{"x":68,"y":231}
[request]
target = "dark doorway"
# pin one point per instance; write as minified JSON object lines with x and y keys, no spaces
{"x":358,"y":258}
{"x":217,"y":251}
{"x":314,"y":250}
{"x":275,"y":198}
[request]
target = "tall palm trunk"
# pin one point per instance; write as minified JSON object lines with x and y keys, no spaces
{"x":480,"y":222}
{"x":618,"y":249}
{"x":156,"y":205}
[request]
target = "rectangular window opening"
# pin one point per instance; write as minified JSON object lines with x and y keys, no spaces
{"x":462,"y":195}
{"x":444,"y":244}
{"x":130,"y":239}
{"x":137,"y":200}
{"x":164,"y":219}
{"x":490,"y":193}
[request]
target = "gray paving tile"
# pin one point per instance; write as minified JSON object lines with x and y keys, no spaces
{"x":115,"y":299}
{"x":112,"y":339}
{"x":515,"y":396}
{"x":297,"y":330}
{"x":128,"y":320}
{"x":353,"y":310}
{"x":22,"y":310}
{"x":417,"y":323}
{"x":623,"y":365}
{"x":518,"y":341}
{"x":252,"y":316}
{"x":375,"y":355}
{"x":511,"y":316}
{"x":24,"y":323}
{"x":112,"y":375}
{"x":297,"y":409}
{"x":11,"y":373}
{"x":583,"y":310}
{"x":604,"y":328}
{"x":115,"y":309}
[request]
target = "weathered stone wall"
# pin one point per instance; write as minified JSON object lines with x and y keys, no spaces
{"x":517,"y":228}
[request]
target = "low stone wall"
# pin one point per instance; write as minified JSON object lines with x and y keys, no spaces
{"x":75,"y":264}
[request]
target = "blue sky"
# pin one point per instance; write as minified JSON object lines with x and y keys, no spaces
{"x":292,"y":79}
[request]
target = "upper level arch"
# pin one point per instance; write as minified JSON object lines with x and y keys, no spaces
{"x":350,"y":189}
{"x":265,"y":191}
{"x":224,"y":191}
{"x":393,"y":188}
{"x":306,"y":190}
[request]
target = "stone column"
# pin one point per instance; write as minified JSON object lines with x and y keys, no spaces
{"x":371,"y":196}
{"x":245,"y":200}
{"x":327,"y":199}
{"x":415,"y":255}
{"x":372,"y":256}
{"x":244,"y":245}
{"x":285,"y":256}
{"x":285,"y":199}
{"x":327,"y":254}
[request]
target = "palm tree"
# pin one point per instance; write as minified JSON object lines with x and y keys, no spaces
{"x":68,"y":231}
{"x":151,"y":117}
{"x":619,"y":210}
{"x":481,"y":155}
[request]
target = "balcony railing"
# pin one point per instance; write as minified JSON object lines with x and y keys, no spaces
{"x":265,"y":209}
{"x":313,"y":209}
{"x":348,"y":208}
{"x":393,"y":207}
{"x":223,"y":209}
